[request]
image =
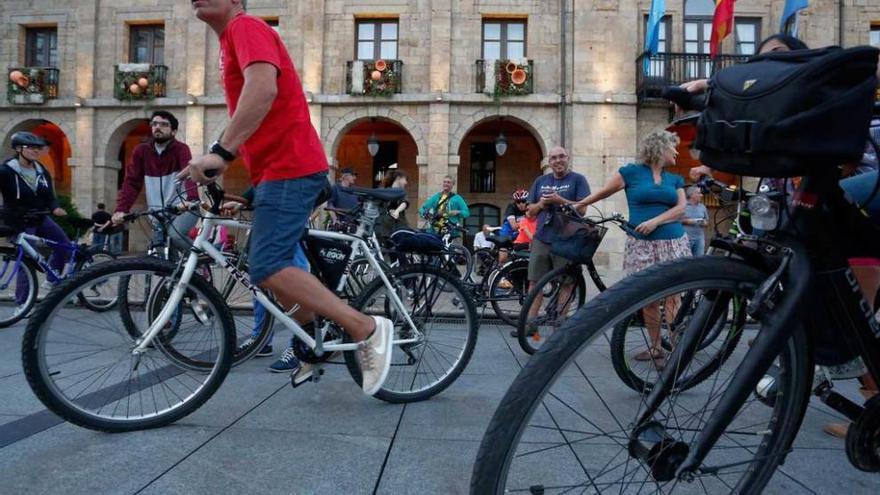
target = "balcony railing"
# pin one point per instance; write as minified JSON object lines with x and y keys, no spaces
{"x":506,"y":77}
{"x":139,"y":81}
{"x":374,"y":77}
{"x":32,"y":85}
{"x":672,"y":69}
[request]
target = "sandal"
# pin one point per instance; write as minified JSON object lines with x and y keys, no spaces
{"x":650,"y":354}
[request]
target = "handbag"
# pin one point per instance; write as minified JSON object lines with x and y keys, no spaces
{"x":577,"y":239}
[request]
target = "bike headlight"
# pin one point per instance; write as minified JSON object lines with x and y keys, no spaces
{"x":764,"y":212}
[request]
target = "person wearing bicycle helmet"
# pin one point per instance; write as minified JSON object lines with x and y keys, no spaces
{"x":27,"y":186}
{"x":513,"y":214}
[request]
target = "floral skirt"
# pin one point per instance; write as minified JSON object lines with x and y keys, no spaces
{"x":641,"y":253}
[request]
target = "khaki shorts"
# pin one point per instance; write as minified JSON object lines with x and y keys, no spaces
{"x":541,"y":261}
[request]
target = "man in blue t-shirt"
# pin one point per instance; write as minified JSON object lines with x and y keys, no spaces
{"x":560,"y":187}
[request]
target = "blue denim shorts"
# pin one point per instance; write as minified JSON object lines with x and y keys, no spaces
{"x":281,"y":212}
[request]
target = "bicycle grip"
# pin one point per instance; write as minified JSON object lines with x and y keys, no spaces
{"x":684,"y":98}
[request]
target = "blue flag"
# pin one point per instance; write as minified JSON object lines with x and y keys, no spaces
{"x":791,"y":9}
{"x":652,"y":33}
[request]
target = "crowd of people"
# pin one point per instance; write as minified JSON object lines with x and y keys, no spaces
{"x":267,"y":106}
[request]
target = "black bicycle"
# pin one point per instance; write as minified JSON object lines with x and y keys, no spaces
{"x":564,"y":427}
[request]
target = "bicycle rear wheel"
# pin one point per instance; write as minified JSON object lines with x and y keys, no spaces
{"x":446,"y":320}
{"x":81,"y":364}
{"x":631,"y":336}
{"x":557,"y":295}
{"x":99,"y":297}
{"x":18,"y":286}
{"x":566,"y":425}
{"x":508,"y":289}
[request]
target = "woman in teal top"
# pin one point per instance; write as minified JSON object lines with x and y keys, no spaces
{"x":656,"y":203}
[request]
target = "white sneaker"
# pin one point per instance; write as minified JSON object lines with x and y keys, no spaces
{"x":375,"y":356}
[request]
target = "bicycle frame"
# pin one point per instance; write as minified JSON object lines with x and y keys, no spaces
{"x":25,"y":248}
{"x":812,"y":226}
{"x":202,"y":245}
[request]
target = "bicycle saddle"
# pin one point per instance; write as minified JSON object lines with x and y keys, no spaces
{"x":386,"y":195}
{"x":501,"y":242}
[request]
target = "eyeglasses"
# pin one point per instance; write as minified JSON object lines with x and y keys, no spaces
{"x":31,"y":147}
{"x":160,"y":124}
{"x":558,"y":157}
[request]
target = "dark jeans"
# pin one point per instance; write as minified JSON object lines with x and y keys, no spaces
{"x":48,"y":229}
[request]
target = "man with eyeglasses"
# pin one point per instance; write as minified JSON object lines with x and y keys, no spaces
{"x":155,"y":164}
{"x":549,"y":192}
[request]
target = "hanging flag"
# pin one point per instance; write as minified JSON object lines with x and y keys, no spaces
{"x":722,"y":25}
{"x":652,"y":32}
{"x":788,"y":23}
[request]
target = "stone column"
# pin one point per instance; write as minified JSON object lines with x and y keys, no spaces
{"x":87,"y":182}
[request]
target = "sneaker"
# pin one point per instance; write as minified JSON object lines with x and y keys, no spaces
{"x":266,"y":351}
{"x":287,"y":362}
{"x":375,"y":355}
{"x":301,"y":375}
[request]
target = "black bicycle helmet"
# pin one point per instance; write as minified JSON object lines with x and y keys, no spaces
{"x":24,"y":138}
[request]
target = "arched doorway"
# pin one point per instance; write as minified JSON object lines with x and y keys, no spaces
{"x":57,"y":160}
{"x":487,"y":178}
{"x":396,"y":149}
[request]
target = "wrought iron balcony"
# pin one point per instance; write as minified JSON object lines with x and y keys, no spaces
{"x":139,"y":81}
{"x":506,"y":77}
{"x":672,"y":69}
{"x":32,"y":85}
{"x":374,"y":77}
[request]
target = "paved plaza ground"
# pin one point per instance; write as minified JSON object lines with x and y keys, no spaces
{"x":258,"y":435}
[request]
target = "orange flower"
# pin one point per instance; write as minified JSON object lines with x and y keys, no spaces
{"x":518,"y":77}
{"x":381,"y":65}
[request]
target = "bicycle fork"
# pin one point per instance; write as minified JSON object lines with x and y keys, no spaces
{"x":649,"y":442}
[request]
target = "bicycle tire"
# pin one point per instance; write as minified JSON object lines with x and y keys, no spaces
{"x":8,"y":261}
{"x":100,"y":302}
{"x":515,"y":273}
{"x":249,"y":340}
{"x":457,"y":256}
{"x":546,"y":287}
{"x":531,"y":390}
{"x":635,"y":381}
{"x":409,"y":282}
{"x":45,"y":378}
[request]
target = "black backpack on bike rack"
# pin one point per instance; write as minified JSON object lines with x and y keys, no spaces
{"x":782,"y":114}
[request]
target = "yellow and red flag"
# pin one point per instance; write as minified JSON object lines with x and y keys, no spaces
{"x":722,"y":25}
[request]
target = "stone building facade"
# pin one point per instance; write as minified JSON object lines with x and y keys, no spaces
{"x":583,"y":84}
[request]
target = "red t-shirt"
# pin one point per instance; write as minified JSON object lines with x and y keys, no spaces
{"x":526,"y":223}
{"x":285,"y":146}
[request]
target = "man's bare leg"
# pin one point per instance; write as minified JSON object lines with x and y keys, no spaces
{"x":294,"y":286}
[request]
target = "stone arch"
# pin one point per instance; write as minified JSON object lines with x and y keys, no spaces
{"x":355,"y":117}
{"x":60,"y":157}
{"x":540,"y":132}
{"x":118,"y":130}
{"x":25,"y":119}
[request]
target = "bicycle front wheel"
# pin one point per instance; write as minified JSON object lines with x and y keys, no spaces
{"x":83,"y":367}
{"x":446,"y":331}
{"x":18,"y":286}
{"x":554,"y":299}
{"x":567,"y":426}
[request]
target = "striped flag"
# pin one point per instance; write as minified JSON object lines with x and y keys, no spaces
{"x":652,"y":33}
{"x":722,"y":25}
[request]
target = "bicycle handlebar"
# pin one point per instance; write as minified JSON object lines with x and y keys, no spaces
{"x":684,"y":98}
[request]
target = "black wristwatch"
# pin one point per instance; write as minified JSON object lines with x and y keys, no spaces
{"x":220,"y":151}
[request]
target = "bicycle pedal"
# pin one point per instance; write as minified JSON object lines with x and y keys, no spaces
{"x":307,"y":373}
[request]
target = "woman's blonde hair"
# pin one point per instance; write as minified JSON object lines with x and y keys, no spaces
{"x":655,"y":144}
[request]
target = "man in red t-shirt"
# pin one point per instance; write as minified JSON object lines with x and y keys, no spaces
{"x":270,"y":128}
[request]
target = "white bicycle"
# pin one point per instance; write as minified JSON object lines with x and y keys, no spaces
{"x":91,"y":371}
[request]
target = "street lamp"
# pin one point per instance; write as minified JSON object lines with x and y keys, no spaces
{"x":373,"y":141}
{"x":500,"y":144}
{"x":373,"y":144}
